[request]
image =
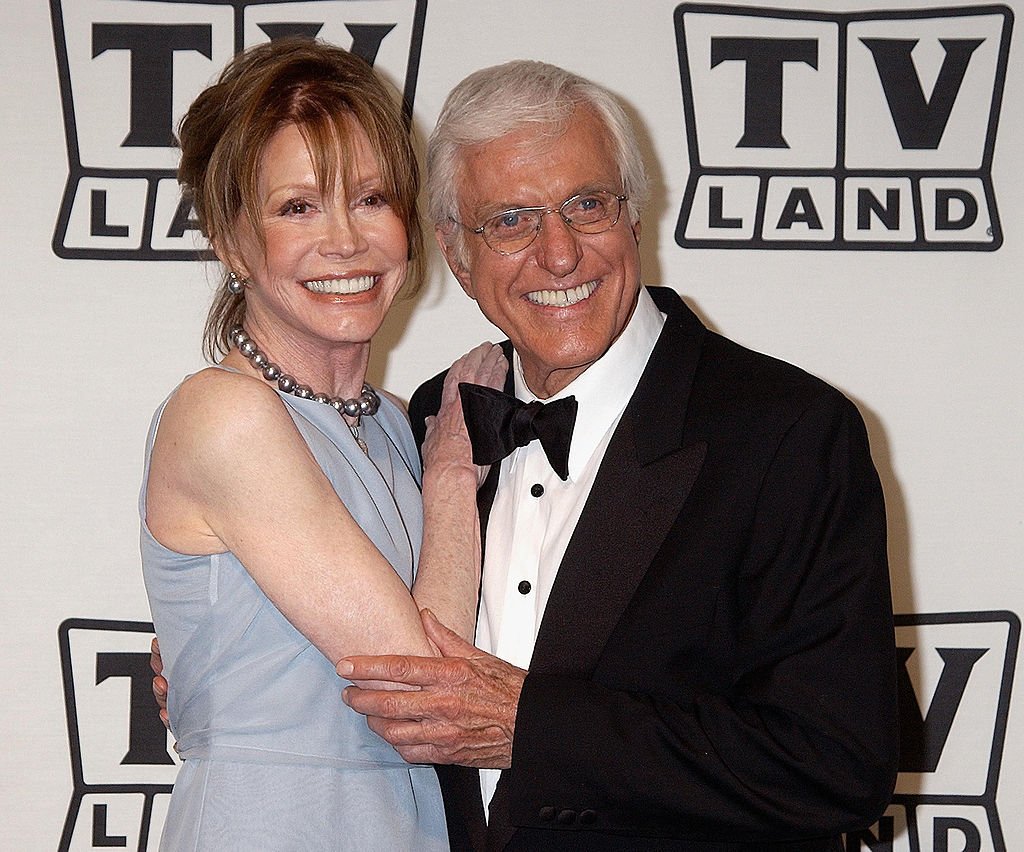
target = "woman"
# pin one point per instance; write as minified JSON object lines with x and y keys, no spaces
{"x":281,"y":513}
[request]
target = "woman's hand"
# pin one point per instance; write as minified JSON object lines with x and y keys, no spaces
{"x":448,"y":579}
{"x":447,"y":444}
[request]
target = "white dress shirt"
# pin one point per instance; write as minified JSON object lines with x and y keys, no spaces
{"x":534,"y":512}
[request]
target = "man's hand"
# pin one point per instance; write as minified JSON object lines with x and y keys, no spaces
{"x":156,"y":663}
{"x":461,"y":707}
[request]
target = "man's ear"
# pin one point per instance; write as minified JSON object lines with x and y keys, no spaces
{"x":455,"y":264}
{"x":636,"y":231}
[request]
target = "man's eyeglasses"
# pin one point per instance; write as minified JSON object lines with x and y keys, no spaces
{"x":513,"y":230}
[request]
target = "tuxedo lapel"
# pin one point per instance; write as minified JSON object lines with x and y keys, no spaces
{"x":643,"y":481}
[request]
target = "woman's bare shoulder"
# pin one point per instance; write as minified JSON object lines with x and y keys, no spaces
{"x":215,"y":409}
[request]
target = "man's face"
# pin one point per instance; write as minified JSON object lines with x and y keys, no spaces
{"x":519,"y":293}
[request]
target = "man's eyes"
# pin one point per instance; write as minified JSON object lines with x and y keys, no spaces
{"x":508,"y":220}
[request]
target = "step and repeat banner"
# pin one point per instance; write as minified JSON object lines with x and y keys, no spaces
{"x":839,"y":187}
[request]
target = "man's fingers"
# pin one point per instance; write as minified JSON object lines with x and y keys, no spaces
{"x":403,"y":732}
{"x":396,"y":668}
{"x":385,"y":703}
{"x":449,"y":643}
{"x":156,"y":662}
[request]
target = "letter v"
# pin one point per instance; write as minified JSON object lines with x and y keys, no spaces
{"x":922,"y":737}
{"x":920,"y":122}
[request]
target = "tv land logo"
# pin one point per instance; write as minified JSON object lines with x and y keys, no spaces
{"x":955,"y":678}
{"x":955,"y":675}
{"x":129,"y":69}
{"x":871,"y":130}
{"x":122,"y":761}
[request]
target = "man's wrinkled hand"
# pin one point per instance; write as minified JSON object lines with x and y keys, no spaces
{"x":456,"y":708}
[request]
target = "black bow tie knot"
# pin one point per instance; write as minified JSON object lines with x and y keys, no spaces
{"x":498,"y":423}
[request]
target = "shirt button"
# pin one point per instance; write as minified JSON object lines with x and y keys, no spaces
{"x":537,"y":490}
{"x":524,"y":587}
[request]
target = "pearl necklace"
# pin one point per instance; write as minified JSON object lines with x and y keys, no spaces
{"x":368,"y":402}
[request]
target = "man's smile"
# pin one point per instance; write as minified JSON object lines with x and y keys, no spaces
{"x":563,"y":298}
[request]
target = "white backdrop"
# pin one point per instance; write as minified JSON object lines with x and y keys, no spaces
{"x":927,"y":342}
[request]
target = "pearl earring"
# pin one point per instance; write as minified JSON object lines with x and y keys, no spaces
{"x":236,"y":286}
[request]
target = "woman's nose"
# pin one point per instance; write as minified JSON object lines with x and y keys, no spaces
{"x":341,"y":235}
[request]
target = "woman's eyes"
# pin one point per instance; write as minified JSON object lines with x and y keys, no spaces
{"x":373,"y":199}
{"x":303,"y":206}
{"x":296,"y":207}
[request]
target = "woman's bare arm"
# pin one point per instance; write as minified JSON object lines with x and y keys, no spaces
{"x":448,"y":581}
{"x":229,"y":471}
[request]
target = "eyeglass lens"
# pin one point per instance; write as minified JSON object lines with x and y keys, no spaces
{"x":589,"y":213}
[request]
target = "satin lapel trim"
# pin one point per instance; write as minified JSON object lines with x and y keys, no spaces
{"x":628,"y":516}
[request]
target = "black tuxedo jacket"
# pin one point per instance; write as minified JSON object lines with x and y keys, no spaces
{"x":715,"y":669}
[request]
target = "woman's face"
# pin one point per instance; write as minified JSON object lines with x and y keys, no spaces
{"x":332,"y":264}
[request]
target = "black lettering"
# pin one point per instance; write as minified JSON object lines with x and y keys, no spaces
{"x":888,"y":214}
{"x":800,"y":207}
{"x":98,"y":225}
{"x":764,"y":58}
{"x":147,"y":738}
{"x":943,"y":219}
{"x":182,"y":220}
{"x":882,"y":842}
{"x":922,"y":737}
{"x":943,"y":825}
{"x":100,"y":838}
{"x":715,"y":217}
{"x":152,"y":48}
{"x":292,"y":28}
{"x":367,"y":39}
{"x":920,"y":121}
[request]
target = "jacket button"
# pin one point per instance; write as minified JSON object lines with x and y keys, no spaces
{"x":566,"y":817}
{"x":588,"y":817}
{"x":537,"y":490}
{"x":547,"y":813}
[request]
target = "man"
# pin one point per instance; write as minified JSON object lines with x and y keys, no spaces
{"x":685,"y":632}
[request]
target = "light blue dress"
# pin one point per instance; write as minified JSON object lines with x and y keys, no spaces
{"x":274,"y":760}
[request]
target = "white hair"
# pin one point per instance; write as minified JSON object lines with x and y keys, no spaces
{"x":496,"y":101}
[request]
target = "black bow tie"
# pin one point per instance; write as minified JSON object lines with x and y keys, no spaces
{"x":498,"y":423}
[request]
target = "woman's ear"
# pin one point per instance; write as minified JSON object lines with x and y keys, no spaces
{"x":229,"y":256}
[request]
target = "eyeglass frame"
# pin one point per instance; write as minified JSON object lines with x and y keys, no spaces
{"x":544,"y":211}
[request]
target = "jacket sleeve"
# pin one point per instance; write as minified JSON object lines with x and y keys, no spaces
{"x":425,"y":402}
{"x":790,"y":731}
